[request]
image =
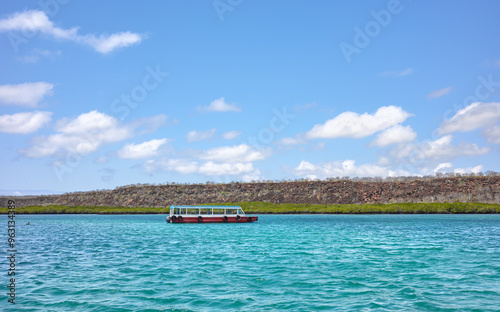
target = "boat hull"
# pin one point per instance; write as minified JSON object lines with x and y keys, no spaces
{"x":222,"y":219}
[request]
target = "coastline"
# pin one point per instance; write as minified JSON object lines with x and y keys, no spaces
{"x":285,"y":208}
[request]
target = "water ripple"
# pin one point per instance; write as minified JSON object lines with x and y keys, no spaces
{"x":287,"y":262}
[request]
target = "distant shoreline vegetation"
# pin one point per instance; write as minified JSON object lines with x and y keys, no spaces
{"x":270,"y":208}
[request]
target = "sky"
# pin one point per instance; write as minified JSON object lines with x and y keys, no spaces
{"x":100,"y":94}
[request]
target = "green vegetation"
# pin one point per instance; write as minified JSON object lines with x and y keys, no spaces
{"x":56,"y":209}
{"x":402,"y":208}
{"x":269,"y":208}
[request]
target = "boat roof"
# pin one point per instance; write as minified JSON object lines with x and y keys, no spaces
{"x":206,"y":206}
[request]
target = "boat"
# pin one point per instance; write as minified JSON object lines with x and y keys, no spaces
{"x":208,"y":214}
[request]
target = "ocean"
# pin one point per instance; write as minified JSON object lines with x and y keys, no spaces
{"x":281,"y":262}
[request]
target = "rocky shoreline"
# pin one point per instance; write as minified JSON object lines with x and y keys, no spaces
{"x":484,"y":189}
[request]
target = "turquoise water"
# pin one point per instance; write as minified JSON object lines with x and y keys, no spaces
{"x":281,"y":262}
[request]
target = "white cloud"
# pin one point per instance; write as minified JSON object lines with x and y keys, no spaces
{"x":23,"y":123}
{"x":34,"y":20}
{"x":219,"y":105}
{"x":438,"y":150}
{"x":448,"y":167}
{"x":341,"y":169}
{"x":439,"y":93}
{"x":403,"y":73}
{"x":475,"y":169}
{"x":442,"y":148}
{"x":475,"y":115}
{"x":231,"y":135}
{"x":143,"y":150}
{"x":209,"y":168}
{"x":182,"y":166}
{"x":227,"y":160}
{"x":395,"y":134}
{"x":106,"y":44}
{"x":492,"y":134}
{"x":237,"y":153}
{"x":25,"y":94}
{"x":252,"y":176}
{"x":443,"y":166}
{"x":86,"y":133}
{"x":353,"y":125}
{"x":194,"y":135}
{"x":87,"y":122}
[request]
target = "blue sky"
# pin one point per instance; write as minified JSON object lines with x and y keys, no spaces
{"x":95,"y":95}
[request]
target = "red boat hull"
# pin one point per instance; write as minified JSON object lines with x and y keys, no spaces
{"x":199,"y":219}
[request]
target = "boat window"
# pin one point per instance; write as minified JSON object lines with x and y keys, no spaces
{"x":240,"y":211}
{"x":183,"y":210}
{"x":231,"y":211}
{"x":192,"y":211}
{"x":218,"y":211}
{"x":205,"y":211}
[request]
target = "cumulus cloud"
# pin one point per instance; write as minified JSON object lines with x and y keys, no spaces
{"x":231,"y":135}
{"x":219,"y":105}
{"x":38,"y":21}
{"x":353,"y":125}
{"x":475,"y":115}
{"x":492,"y":134}
{"x":25,"y":94}
{"x":86,"y":133}
{"x":475,"y":169}
{"x":209,"y":168}
{"x":88,"y":122}
{"x":220,"y":161}
{"x":143,"y":150}
{"x":34,"y":20}
{"x":23,"y":123}
{"x":439,"y":93}
{"x":443,"y":148}
{"x":194,"y":135}
{"x":448,"y":167}
{"x":438,"y":150}
{"x":237,"y":153}
{"x":341,"y":169}
{"x":395,"y":134}
{"x":443,"y":167}
{"x":182,"y":166}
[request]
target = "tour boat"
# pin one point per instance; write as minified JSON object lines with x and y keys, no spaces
{"x":208,"y":214}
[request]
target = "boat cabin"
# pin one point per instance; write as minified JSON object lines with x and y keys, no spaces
{"x":208,"y":214}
